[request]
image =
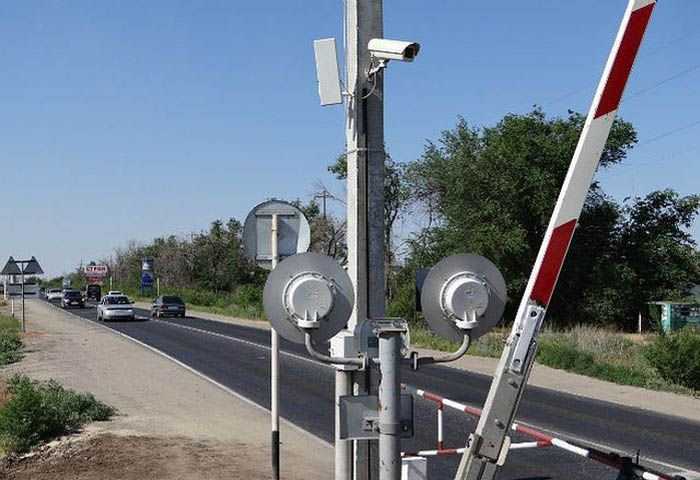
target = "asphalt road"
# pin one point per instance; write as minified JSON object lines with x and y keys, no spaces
{"x":239,"y":357}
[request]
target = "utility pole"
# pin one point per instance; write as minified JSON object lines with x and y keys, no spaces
{"x":365,"y":156}
{"x":325,"y":195}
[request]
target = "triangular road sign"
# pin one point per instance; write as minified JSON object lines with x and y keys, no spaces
{"x":33,"y":268}
{"x":11,"y":268}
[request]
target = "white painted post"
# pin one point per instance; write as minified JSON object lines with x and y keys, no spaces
{"x":639,"y":323}
{"x":24,"y":326}
{"x":274,"y":369}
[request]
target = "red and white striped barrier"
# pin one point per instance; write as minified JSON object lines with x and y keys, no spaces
{"x":542,"y":439}
{"x":587,"y":156}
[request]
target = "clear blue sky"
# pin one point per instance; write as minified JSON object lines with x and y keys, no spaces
{"x":127,"y":119}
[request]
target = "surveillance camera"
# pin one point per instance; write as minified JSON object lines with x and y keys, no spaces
{"x":385,"y":50}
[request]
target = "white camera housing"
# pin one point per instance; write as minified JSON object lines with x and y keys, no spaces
{"x":385,"y":50}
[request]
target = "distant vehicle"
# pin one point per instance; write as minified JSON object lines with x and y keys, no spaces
{"x":93,"y":292}
{"x":115,"y":307}
{"x":168,"y":305}
{"x":54,"y":294}
{"x":72,"y":298}
{"x":114,"y":292}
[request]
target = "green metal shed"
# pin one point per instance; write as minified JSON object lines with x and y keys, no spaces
{"x":676,"y":315}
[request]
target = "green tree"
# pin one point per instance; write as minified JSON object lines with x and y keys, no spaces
{"x":492,"y":191}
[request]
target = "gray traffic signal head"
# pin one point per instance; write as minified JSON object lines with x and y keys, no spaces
{"x":308,"y":292}
{"x":464,"y":293}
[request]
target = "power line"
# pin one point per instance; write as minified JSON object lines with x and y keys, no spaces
{"x":648,"y":54}
{"x":662,"y":82}
{"x":664,"y":135}
{"x":622,"y":169}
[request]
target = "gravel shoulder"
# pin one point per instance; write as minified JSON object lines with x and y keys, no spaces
{"x":542,"y":376}
{"x":172,"y":422}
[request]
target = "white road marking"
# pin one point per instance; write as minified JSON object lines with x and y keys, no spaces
{"x":246,"y":342}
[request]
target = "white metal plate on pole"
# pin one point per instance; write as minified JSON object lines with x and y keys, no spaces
{"x":467,"y":272}
{"x":327,"y":72}
{"x":15,"y":289}
{"x":294,"y":233}
{"x":279,"y":297}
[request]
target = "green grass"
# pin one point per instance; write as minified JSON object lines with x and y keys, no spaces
{"x":586,"y":350}
{"x":490,"y":345}
{"x":10,"y":342}
{"x":40,"y":411}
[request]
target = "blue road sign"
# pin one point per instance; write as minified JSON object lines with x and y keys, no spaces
{"x":146,"y":279}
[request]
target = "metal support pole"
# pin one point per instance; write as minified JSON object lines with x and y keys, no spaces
{"x":24,"y":326}
{"x":274,"y":370}
{"x":343,"y":448}
{"x":389,"y":407}
{"x":365,"y":158}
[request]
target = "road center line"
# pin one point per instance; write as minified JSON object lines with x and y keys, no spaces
{"x":240,"y":340}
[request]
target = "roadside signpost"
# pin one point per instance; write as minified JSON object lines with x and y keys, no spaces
{"x":272,"y":231}
{"x":23,"y":267}
{"x":146,"y":275}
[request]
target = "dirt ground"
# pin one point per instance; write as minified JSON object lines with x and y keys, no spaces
{"x":110,"y":456}
{"x":172,"y":423}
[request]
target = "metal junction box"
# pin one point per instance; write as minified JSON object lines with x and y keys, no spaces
{"x":359,"y":417}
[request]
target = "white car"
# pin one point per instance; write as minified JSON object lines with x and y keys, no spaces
{"x":114,"y":292}
{"x":115,"y":307}
{"x":54,"y":294}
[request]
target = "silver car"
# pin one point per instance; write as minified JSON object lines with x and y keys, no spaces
{"x":115,"y":307}
{"x":54,"y":294}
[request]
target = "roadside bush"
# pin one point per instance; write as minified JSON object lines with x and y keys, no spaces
{"x":39,"y":411}
{"x":568,"y":357}
{"x":10,"y":343}
{"x":249,"y":296}
{"x":676,"y":357}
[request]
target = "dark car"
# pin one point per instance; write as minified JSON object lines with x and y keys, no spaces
{"x":168,"y":305}
{"x":72,"y":298}
{"x":93,"y":292}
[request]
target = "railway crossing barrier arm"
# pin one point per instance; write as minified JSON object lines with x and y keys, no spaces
{"x":486,"y":451}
